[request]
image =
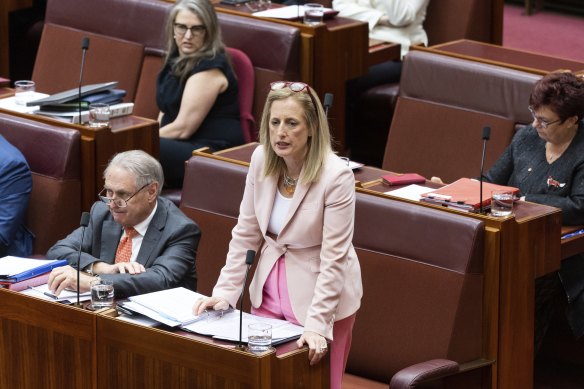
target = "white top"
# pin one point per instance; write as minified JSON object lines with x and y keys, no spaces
{"x":279,"y":212}
{"x":398,"y":21}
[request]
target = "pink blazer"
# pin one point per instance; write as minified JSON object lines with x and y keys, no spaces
{"x":324,"y":276}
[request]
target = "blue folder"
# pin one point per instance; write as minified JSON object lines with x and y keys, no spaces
{"x":45,"y":268}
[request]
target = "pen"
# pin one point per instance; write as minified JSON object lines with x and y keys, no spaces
{"x":573,"y":234}
{"x":50,"y":295}
{"x":45,"y":293}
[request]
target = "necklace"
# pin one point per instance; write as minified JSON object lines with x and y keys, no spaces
{"x":289,"y":184}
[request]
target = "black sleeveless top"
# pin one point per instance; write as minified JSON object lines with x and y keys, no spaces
{"x":221,"y":128}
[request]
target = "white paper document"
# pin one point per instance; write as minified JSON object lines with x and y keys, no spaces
{"x":10,"y":265}
{"x":9,"y":104}
{"x":173,"y":307}
{"x":411,"y":192}
{"x":226,"y":327}
{"x":43,"y":292}
{"x":290,"y":12}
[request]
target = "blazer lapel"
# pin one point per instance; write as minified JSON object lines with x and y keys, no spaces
{"x":153,"y":233}
{"x":266,"y":191}
{"x":111,"y":233}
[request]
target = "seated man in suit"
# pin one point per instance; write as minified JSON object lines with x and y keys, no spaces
{"x":138,"y":240}
{"x":15,"y":188}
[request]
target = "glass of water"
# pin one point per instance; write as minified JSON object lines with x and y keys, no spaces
{"x":313,"y":13}
{"x":102,"y":294}
{"x":501,"y":203}
{"x":259,"y":337}
{"x":23,"y":91}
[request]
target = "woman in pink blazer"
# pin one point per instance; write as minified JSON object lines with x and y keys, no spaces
{"x":298,"y":209}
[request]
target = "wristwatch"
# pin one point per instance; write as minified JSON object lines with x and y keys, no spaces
{"x":89,"y":270}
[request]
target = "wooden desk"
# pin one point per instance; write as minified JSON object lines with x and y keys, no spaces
{"x":45,"y":344}
{"x":98,"y":145}
{"x":331,"y":53}
{"x":154,"y":358}
{"x":503,"y":56}
{"x":51,"y":345}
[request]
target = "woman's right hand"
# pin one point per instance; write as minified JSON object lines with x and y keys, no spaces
{"x":217,"y":303}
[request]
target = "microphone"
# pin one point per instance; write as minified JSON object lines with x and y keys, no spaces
{"x":486,"y":137}
{"x":84,"y":48}
{"x":328,"y":103}
{"x":248,"y":261}
{"x":83,"y":223}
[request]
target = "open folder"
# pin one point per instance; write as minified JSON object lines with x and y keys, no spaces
{"x":173,"y":307}
{"x":16,"y":269}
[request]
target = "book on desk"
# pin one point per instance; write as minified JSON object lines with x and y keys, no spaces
{"x":464,"y":194}
{"x":18,"y":273}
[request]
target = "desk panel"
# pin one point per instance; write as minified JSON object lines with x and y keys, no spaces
{"x":45,"y":344}
{"x":154,"y":358}
{"x":503,"y":56}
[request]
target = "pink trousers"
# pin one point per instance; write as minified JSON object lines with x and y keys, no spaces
{"x":276,"y":304}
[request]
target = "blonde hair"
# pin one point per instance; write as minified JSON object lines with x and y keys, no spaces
{"x":319,"y":142}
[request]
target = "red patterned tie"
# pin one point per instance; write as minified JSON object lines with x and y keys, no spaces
{"x":124,"y":251}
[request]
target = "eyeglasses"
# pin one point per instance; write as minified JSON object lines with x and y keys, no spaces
{"x":294,"y":86}
{"x":544,"y":123}
{"x":120,"y":203}
{"x":181,"y":29}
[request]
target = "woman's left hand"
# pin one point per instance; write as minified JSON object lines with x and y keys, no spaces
{"x":317,"y":345}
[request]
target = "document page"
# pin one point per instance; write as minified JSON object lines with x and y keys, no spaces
{"x":10,"y":265}
{"x":226,"y":327}
{"x":410,"y":192}
{"x":174,"y":305}
{"x":43,"y":292}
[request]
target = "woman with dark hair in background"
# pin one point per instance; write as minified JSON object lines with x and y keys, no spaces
{"x":545,"y":161}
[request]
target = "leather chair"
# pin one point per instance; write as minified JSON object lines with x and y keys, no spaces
{"x":438,"y":133}
{"x":54,"y":157}
{"x":245,"y":74}
{"x":446,"y":20}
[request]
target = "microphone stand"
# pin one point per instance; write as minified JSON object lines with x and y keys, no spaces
{"x":84,"y":48}
{"x":486,"y":137}
{"x":84,"y":223}
{"x":328,"y":103}
{"x":248,"y":261}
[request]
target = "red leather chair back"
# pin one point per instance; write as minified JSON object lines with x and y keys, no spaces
{"x":246,"y":78}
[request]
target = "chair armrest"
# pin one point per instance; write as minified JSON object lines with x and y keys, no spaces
{"x":415,"y":374}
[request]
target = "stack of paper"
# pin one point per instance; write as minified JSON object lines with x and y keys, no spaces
{"x":173,"y":307}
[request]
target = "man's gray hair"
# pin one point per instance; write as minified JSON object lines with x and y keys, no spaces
{"x":145,"y":168}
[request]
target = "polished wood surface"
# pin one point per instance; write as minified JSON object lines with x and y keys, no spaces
{"x":503,"y":56}
{"x":131,"y":356}
{"x":98,"y":145}
{"x":51,"y":345}
{"x":45,"y":344}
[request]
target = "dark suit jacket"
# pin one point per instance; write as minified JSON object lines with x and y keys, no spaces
{"x":168,"y":250}
{"x":15,"y":189}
